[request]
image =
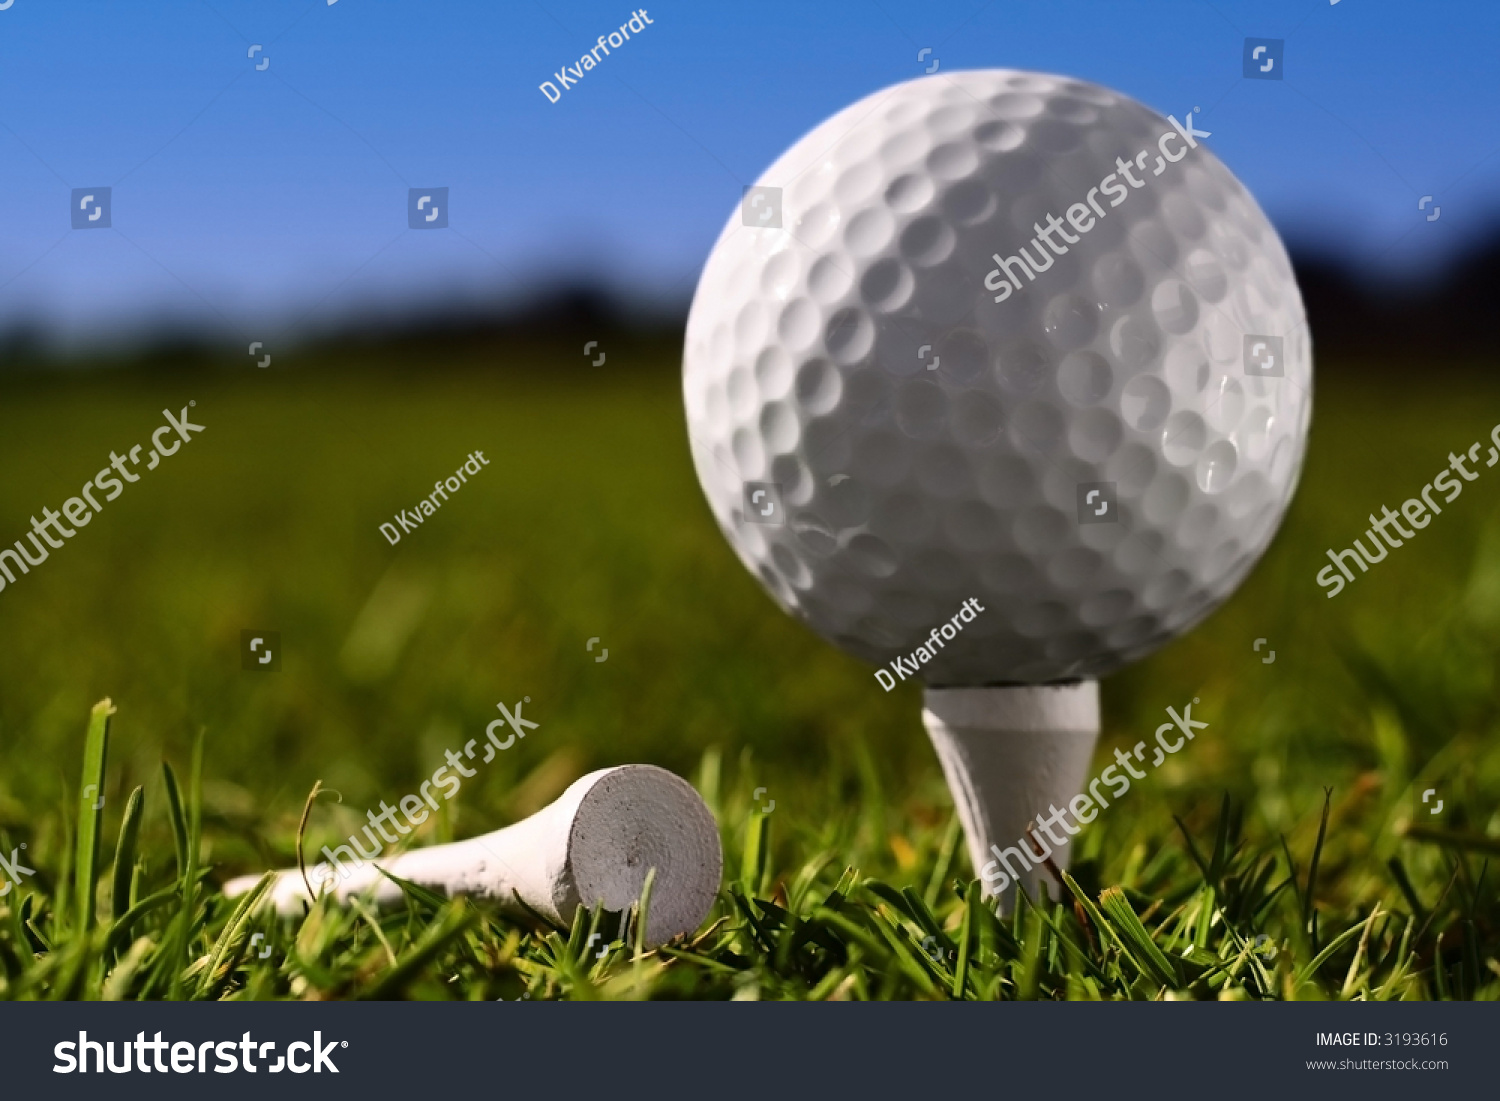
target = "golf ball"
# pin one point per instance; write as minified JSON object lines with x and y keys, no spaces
{"x":1002,"y":336}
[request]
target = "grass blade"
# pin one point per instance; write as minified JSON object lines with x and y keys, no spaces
{"x":953,"y":840}
{"x":1028,"y":967}
{"x":1333,"y":946}
{"x":185,"y":917}
{"x":1312,"y":871}
{"x":232,"y":931}
{"x":1352,"y":976}
{"x":119,"y":932}
{"x":125,"y":850}
{"x":457,"y":919}
{"x":117,"y":986}
{"x":1124,"y":927}
{"x":753,"y":864}
{"x":966,"y":934}
{"x":90,"y":813}
{"x":643,"y":912}
{"x":174,"y":812}
{"x":415,"y":892}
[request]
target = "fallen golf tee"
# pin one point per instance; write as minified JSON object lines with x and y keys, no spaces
{"x":1009,"y":755}
{"x":595,"y":844}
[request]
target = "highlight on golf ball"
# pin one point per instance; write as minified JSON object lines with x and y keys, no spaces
{"x":1007,"y":337}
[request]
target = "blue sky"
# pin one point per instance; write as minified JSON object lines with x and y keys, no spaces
{"x":273,"y":201}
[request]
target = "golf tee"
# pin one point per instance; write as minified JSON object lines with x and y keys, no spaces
{"x":1014,"y":758}
{"x":595,"y":844}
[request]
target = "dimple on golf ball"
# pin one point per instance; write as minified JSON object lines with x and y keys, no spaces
{"x":1005,"y":336}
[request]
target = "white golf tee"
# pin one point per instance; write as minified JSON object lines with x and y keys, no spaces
{"x":594,"y":844}
{"x":1011,"y":754}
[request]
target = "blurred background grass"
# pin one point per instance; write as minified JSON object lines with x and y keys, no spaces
{"x":589,"y":523}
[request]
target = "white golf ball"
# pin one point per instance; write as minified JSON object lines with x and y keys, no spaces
{"x":1097,"y":458}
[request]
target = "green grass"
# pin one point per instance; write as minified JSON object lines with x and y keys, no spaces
{"x":1285,"y":853}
